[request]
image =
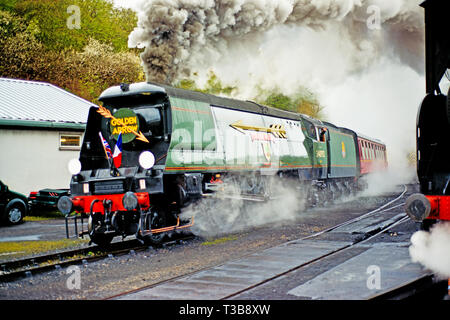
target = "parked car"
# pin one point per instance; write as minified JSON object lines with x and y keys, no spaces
{"x":46,"y":199}
{"x":13,"y":205}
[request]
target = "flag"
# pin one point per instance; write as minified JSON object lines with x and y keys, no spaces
{"x":106,"y":146}
{"x":117,"y":156}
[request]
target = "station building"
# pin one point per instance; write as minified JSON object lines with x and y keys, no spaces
{"x":41,"y":130}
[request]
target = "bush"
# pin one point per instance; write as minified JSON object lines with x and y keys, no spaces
{"x":35,"y":44}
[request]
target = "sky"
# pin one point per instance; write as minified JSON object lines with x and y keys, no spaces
{"x":126,"y":3}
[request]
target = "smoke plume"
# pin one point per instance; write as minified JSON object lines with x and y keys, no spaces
{"x":431,"y":249}
{"x":184,"y":35}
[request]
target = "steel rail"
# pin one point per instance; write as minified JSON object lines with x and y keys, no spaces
{"x":13,"y":270}
{"x":380,"y":209}
{"x":403,"y":219}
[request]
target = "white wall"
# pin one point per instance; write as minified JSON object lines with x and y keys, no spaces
{"x":30,"y":160}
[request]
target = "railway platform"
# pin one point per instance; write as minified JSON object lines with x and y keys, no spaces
{"x":360,"y":260}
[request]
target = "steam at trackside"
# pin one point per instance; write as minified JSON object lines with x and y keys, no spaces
{"x":431,"y":249}
{"x":232,"y":213}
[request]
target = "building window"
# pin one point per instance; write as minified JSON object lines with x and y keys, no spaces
{"x":69,"y":141}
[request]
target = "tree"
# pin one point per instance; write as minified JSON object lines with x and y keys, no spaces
{"x":302,"y":101}
{"x":213,"y":85}
{"x":98,"y":67}
{"x":98,"y":20}
{"x":23,"y":56}
{"x":36,"y":44}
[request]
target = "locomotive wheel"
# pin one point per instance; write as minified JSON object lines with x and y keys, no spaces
{"x":155,"y":220}
{"x":96,"y":233}
{"x":101,"y":239}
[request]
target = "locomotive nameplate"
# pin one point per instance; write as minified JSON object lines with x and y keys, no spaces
{"x":126,"y":122}
{"x":107,"y":187}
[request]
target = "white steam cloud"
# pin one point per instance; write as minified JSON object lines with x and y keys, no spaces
{"x":181,"y":35}
{"x":363,"y":58}
{"x":228,"y":211}
{"x":432,"y":249}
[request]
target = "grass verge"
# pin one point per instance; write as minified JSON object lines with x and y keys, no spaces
{"x":218,"y":241}
{"x":12,"y":250}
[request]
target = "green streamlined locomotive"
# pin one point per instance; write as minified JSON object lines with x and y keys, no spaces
{"x":175,"y":146}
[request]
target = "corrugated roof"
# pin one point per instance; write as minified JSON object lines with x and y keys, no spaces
{"x":24,"y":101}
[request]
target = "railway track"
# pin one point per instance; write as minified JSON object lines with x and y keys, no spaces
{"x":27,"y":267}
{"x":235,"y":278}
{"x":427,"y":287}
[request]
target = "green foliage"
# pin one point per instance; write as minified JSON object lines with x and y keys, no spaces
{"x":219,"y":241}
{"x":187,"y":84}
{"x":22,"y":54}
{"x":213,"y":85}
{"x":36,"y":44}
{"x":7,"y":4}
{"x":99,"y":67}
{"x":302,"y":101}
{"x":10,"y":25}
{"x":279,"y":100}
{"x":98,"y":20}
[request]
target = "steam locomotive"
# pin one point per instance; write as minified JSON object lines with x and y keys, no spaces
{"x":433,"y":124}
{"x":176,"y":146}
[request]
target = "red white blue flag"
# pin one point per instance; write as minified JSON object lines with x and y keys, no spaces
{"x":106,"y":146}
{"x":117,"y":156}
